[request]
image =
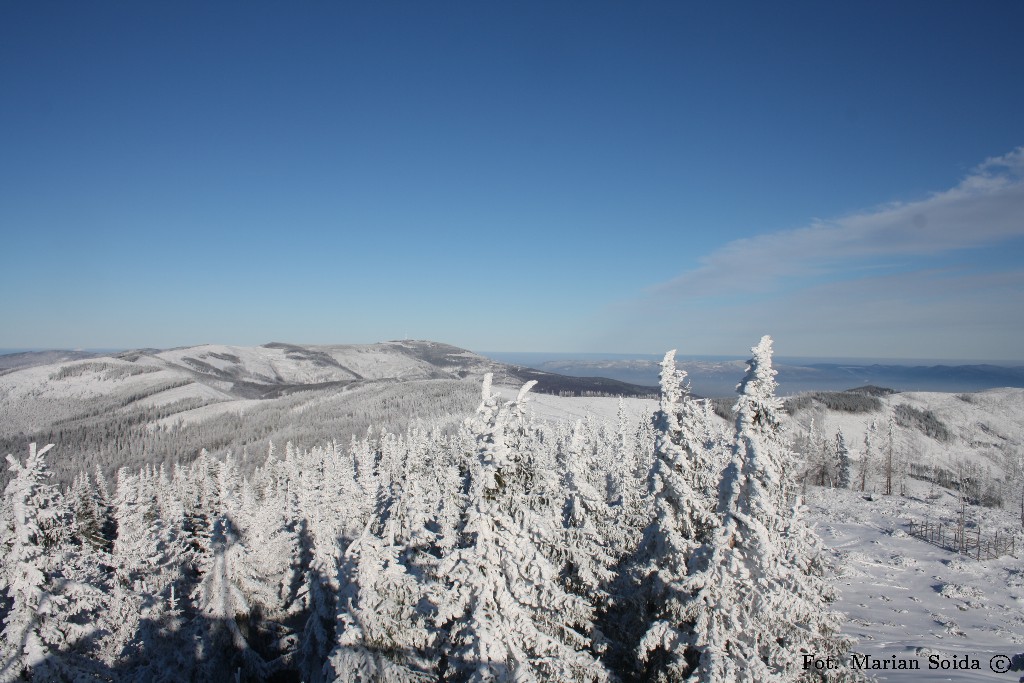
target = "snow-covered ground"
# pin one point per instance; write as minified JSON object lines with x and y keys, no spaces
{"x":208,"y":412}
{"x":909,"y":599}
{"x":570,"y":409}
{"x":193,"y":391}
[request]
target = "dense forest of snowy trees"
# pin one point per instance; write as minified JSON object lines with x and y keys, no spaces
{"x":506,"y":550}
{"x":117,"y":431}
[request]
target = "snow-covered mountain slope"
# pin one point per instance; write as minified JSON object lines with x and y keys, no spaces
{"x":265,"y":365}
{"x":164,"y":406}
{"x":34,"y":397}
{"x":905,"y":599}
{"x":932,"y":429}
{"x":26,"y":359}
{"x":278,"y":364}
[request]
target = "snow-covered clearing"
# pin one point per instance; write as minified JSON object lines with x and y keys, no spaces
{"x":570,"y":409}
{"x":183,"y":393}
{"x":910,"y":599}
{"x":207,"y":412}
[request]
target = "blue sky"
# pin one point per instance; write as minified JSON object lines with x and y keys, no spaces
{"x":578,"y":176}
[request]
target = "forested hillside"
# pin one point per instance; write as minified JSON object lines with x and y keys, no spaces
{"x":160,"y":408}
{"x":504,"y":549}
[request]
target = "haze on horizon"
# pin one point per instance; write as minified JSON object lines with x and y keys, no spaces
{"x":577,"y":178}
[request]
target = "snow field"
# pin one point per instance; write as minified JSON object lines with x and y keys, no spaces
{"x":908,"y":598}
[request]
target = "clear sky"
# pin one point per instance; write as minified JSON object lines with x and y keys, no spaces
{"x":533,"y":176}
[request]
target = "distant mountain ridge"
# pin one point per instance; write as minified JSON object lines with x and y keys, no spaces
{"x":278,"y":367}
{"x":717,"y":376}
{"x":25,"y":359}
{"x":161,"y":406}
{"x":37,"y":387}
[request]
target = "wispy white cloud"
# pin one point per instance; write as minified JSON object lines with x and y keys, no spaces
{"x":892,"y":281}
{"x":986,"y":207}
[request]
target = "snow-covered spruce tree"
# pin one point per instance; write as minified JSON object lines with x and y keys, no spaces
{"x":161,"y":638}
{"x":443,"y":489}
{"x":421,"y":506}
{"x":843,"y":464}
{"x":197,"y":488}
{"x":627,"y":511}
{"x":585,"y":523}
{"x":92,"y":512}
{"x":507,"y":616}
{"x":340,"y":480}
{"x":236,"y":582}
{"x":274,"y":527}
{"x":820,"y":457}
{"x":867,"y":460}
{"x":364,"y":460}
{"x":680,"y":484}
{"x":714,"y":438}
{"x":891,"y":467}
{"x":7,"y":539}
{"x":51,"y":580}
{"x":624,"y":462}
{"x":139,"y":557}
{"x":324,"y":520}
{"x":383,"y":634}
{"x":758,"y":596}
{"x":266,"y":561}
{"x":385,"y":630}
{"x":644,"y":448}
{"x":895,"y":466}
{"x":138,"y":560}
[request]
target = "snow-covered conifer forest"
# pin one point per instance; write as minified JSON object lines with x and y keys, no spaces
{"x":536,"y":537}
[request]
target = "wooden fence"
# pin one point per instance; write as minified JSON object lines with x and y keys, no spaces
{"x":969,"y":542}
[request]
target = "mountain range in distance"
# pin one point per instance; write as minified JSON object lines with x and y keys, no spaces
{"x":159,"y":407}
{"x":276,"y":369}
{"x":716,"y":376}
{"x":571,"y":374}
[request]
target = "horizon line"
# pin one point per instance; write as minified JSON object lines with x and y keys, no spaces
{"x":588,"y":355}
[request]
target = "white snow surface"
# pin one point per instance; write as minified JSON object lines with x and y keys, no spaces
{"x":237,"y":406}
{"x":189,"y":391}
{"x":906,"y":598}
{"x":570,"y":409}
